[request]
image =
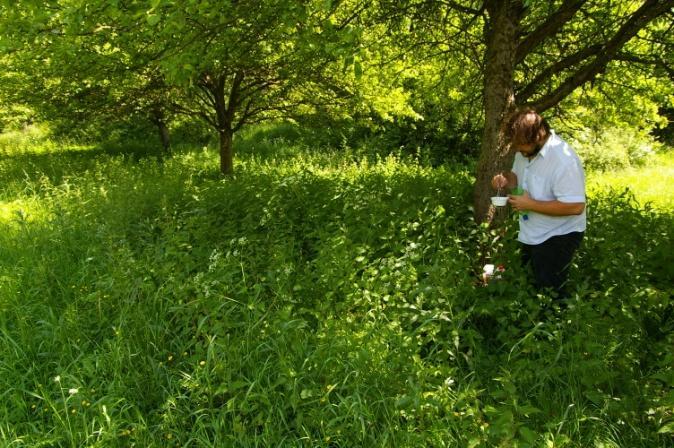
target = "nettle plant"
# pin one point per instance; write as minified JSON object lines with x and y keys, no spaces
{"x":331,"y":303}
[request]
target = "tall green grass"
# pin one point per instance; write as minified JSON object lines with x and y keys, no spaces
{"x":314,"y":299}
{"x":650,"y":184}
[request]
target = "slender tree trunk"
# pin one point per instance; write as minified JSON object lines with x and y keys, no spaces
{"x":164,"y":135}
{"x":226,"y":151}
{"x":225,"y":104}
{"x":499,"y":101}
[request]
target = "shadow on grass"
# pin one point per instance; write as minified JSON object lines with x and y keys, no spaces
{"x":272,"y":262}
{"x":58,"y":160}
{"x":69,"y":161}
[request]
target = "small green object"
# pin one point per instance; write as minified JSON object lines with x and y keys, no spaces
{"x":517,"y":191}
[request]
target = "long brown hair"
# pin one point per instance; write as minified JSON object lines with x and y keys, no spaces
{"x":525,"y":126}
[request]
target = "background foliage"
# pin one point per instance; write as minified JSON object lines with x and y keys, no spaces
{"x":328,"y":292}
{"x":317,"y":298}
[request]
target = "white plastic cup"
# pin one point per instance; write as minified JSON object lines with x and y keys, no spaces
{"x":499,"y":201}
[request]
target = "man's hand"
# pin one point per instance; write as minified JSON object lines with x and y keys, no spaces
{"x":499,"y":182}
{"x":521,"y":202}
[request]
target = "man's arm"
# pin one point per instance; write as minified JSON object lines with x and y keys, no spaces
{"x":552,"y":208}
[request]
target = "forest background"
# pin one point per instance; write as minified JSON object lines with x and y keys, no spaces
{"x":263,"y":223}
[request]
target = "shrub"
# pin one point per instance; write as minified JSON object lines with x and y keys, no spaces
{"x":614,"y":148}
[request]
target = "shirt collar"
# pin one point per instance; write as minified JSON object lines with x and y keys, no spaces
{"x":546,"y":147}
{"x":548,"y":144}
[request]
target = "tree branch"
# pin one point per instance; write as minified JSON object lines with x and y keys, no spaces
{"x":179,"y":108}
{"x":464,"y":9}
{"x":657,"y":62}
{"x":233,"y":100}
{"x":356,"y":13}
{"x":550,"y":27}
{"x":648,"y":11}
{"x":576,"y":58}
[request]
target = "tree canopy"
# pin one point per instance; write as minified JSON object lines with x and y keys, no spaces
{"x":445,"y":67}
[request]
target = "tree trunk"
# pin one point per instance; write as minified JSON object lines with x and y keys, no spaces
{"x":164,"y":136}
{"x":498,"y":92}
{"x":225,"y":108}
{"x":226,"y":152}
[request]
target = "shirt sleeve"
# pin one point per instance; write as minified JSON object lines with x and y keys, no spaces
{"x":517,"y":169}
{"x":569,"y":183}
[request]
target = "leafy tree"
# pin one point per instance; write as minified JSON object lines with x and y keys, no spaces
{"x":242,"y":62}
{"x":78,"y":69}
{"x":530,"y":53}
{"x":228,"y":63}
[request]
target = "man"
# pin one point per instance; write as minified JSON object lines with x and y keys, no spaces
{"x":552,"y":204}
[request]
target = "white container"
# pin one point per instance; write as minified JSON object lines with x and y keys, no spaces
{"x":499,"y":201}
{"x":492,"y":272}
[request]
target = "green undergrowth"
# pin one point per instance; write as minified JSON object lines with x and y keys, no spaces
{"x":318,"y":301}
{"x":650,"y":184}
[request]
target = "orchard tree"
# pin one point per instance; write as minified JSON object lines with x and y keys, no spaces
{"x":79,"y":66}
{"x":240,"y":62}
{"x":229,"y":63}
{"x":529,"y":53}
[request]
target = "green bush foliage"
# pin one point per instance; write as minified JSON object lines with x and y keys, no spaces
{"x":315,"y":300}
{"x":614,"y":148}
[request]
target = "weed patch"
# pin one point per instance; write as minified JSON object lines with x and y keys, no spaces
{"x":316,"y":301}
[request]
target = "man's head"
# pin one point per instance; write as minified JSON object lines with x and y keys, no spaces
{"x":527,"y":131}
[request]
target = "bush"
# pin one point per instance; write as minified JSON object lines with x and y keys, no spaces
{"x":614,"y":148}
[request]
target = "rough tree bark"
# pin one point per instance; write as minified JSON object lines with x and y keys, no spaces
{"x":225,"y":104}
{"x":226,"y":151}
{"x":501,"y":33}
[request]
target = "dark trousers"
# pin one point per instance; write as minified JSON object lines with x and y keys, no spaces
{"x":550,"y":260}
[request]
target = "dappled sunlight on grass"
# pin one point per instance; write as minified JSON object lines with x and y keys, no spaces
{"x":22,"y":211}
{"x":653,"y":184}
{"x":316,"y":297}
{"x":35,"y":140}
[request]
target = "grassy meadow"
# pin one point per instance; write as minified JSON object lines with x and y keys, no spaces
{"x":650,"y":184}
{"x":318,"y":299}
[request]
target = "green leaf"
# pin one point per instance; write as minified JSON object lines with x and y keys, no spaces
{"x":474,"y":443}
{"x":528,"y":410}
{"x":347,"y":62}
{"x":528,"y":436}
{"x":667,"y":429}
{"x":152,"y":19}
{"x":357,"y":69}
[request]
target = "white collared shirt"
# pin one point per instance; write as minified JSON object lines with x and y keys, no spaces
{"x":555,"y":173}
